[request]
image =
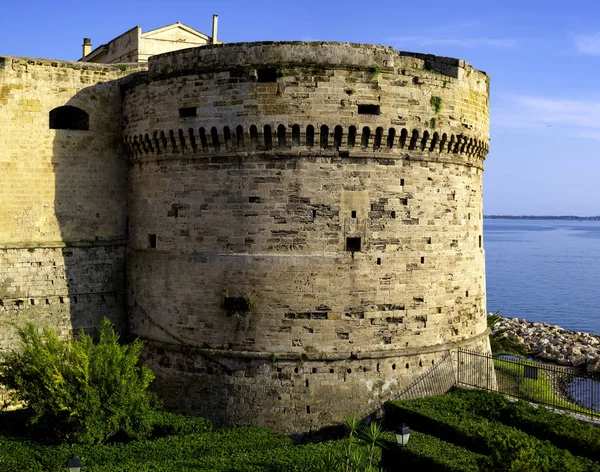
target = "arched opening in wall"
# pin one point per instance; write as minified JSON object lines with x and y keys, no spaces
{"x":193,"y":140}
{"x":239,"y":136}
{"x":443,"y":142}
{"x":364,"y":139}
{"x":156,"y":142}
{"x":182,"y":139}
{"x":424,"y":140}
{"x":403,"y":137}
{"x":310,"y":136}
{"x":378,"y":137}
{"x":413,"y":140}
{"x":324,"y":138}
{"x":143,"y":145}
{"x":352,"y":136}
{"x":268,"y":137}
{"x":337,"y":136}
{"x":149,"y":143}
{"x":434,"y":141}
{"x":163,"y":140}
{"x":281,"y":136}
{"x":391,"y":137}
{"x":69,"y":117}
{"x":214,"y":136}
{"x":295,"y":135}
{"x":203,"y":139}
{"x":451,"y":144}
{"x":173,"y":141}
{"x":227,"y":137}
{"x":253,"y":136}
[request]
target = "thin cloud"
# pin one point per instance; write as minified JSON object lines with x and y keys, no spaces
{"x":529,"y":113}
{"x":503,"y":43}
{"x":588,"y":44}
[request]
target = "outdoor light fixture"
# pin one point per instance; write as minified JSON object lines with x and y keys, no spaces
{"x":402,"y":435}
{"x":74,"y":464}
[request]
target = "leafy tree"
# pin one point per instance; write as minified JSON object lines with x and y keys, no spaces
{"x":80,"y":391}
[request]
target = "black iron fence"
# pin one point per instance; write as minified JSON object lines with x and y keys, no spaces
{"x":436,"y":381}
{"x":561,"y":387}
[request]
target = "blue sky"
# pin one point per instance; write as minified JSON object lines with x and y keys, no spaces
{"x":543,"y":58}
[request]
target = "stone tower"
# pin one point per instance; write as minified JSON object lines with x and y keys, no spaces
{"x":304,"y":225}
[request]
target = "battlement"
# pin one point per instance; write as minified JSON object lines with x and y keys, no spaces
{"x":303,"y":53}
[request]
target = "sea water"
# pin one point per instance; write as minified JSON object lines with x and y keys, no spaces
{"x":544,"y":270}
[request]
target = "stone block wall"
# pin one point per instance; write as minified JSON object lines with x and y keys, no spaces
{"x":63,"y":197}
{"x":305,"y":219}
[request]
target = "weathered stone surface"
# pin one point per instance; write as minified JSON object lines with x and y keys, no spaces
{"x":303,"y":221}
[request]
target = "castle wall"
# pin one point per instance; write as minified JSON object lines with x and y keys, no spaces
{"x":63,"y":197}
{"x":254,"y":168}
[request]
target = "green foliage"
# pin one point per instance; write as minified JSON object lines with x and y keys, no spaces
{"x":436,"y":104}
{"x":30,"y":249}
{"x":361,"y":452}
{"x":123,"y":67}
{"x":78,"y":391}
{"x":515,"y":436}
{"x":250,"y":449}
{"x":375,"y":71}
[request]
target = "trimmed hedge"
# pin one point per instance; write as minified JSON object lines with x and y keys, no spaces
{"x":426,"y":452}
{"x":562,"y":430}
{"x":248,"y":449}
{"x":450,"y":418}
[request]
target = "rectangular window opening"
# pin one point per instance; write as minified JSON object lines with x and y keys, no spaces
{"x":152,"y":241}
{"x":188,"y":112}
{"x":369,"y":110}
{"x":422,"y":260}
{"x":353,"y":244}
{"x":266,"y":75}
{"x":393,"y":214}
{"x":479,"y":240}
{"x":402,"y":182}
{"x":379,"y":261}
{"x":353,"y":214}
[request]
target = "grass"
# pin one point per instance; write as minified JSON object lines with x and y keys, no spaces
{"x":511,"y":380}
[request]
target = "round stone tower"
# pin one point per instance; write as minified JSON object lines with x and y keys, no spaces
{"x":305,"y":225}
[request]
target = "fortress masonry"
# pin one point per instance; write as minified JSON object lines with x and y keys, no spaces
{"x":294,"y":227}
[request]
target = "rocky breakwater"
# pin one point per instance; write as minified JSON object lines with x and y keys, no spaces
{"x":552,"y":343}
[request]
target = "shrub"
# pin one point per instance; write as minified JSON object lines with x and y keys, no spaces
{"x":78,"y":391}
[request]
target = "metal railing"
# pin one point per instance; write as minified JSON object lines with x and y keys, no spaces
{"x":438,"y":380}
{"x":566,"y":388}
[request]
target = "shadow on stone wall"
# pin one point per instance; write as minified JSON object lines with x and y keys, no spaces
{"x":90,"y":205}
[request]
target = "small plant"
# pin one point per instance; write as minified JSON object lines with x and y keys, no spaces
{"x":375,"y":71}
{"x":359,"y":452}
{"x":123,"y":67}
{"x":273,"y":358}
{"x":30,"y":249}
{"x":282,"y":72}
{"x":436,"y":104}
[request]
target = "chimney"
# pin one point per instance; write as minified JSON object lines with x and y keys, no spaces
{"x":214,"y":29}
{"x":87,"y":46}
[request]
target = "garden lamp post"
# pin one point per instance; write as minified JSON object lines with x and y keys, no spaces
{"x":402,"y":434}
{"x":74,"y":464}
